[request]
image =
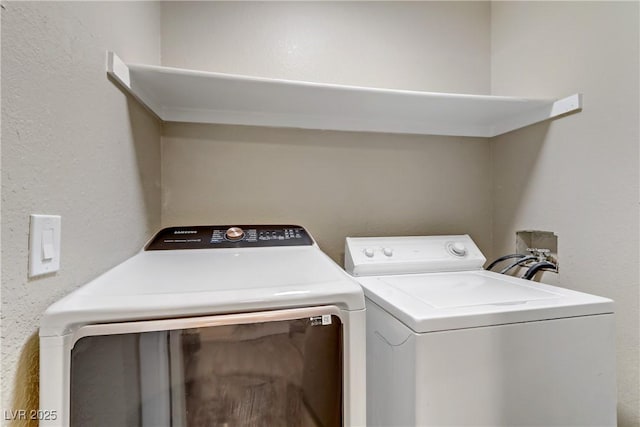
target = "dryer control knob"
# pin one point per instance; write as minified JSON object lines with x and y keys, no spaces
{"x":234,"y":233}
{"x":458,"y":249}
{"x":368,"y":252}
{"x":387,"y":251}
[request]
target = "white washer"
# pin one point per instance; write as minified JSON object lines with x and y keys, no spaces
{"x":209,"y":326}
{"x":450,"y":344}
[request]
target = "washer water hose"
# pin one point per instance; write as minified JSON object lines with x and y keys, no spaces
{"x":518,"y":262}
{"x":543,"y":265}
{"x":504,"y":258}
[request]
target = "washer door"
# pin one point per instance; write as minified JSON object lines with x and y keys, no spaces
{"x":281,"y":368}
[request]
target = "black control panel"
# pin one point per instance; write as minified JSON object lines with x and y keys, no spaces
{"x":229,"y":236}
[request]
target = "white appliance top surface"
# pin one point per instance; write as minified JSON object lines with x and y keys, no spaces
{"x":430,"y":302}
{"x":171,"y":283}
{"x":465,"y":290}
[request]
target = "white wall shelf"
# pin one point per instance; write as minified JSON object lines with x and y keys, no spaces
{"x":179,"y":95}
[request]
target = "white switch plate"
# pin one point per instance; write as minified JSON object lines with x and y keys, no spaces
{"x":44,"y":244}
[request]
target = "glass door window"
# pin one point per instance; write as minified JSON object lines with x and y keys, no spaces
{"x":274,"y":373}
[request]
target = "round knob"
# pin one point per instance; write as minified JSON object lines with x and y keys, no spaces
{"x":458,"y":249}
{"x":234,"y":233}
{"x":368,"y":252}
{"x":387,"y":251}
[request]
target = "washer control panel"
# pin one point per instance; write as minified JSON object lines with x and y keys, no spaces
{"x":372,"y":256}
{"x":229,"y":236}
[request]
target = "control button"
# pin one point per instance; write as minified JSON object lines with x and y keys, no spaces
{"x":387,"y":251}
{"x":234,"y":233}
{"x":458,"y":249}
{"x":368,"y":252}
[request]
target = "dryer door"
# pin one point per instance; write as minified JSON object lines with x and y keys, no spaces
{"x":279,"y":368}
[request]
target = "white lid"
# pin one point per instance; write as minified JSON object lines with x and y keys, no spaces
{"x":174,"y":283}
{"x":455,"y":300}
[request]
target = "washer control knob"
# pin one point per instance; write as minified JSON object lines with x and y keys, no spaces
{"x":387,"y":251}
{"x":234,"y":233}
{"x":458,"y":249}
{"x":368,"y":252}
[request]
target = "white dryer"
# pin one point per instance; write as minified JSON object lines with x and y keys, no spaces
{"x":209,"y":326}
{"x":450,"y":344}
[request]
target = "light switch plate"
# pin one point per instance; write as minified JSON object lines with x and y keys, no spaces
{"x":44,"y":244}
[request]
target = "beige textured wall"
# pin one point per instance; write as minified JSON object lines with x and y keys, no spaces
{"x":432,"y":46}
{"x":577,"y":176}
{"x":334,"y":183}
{"x":337,"y":184}
{"x":74,"y":145}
